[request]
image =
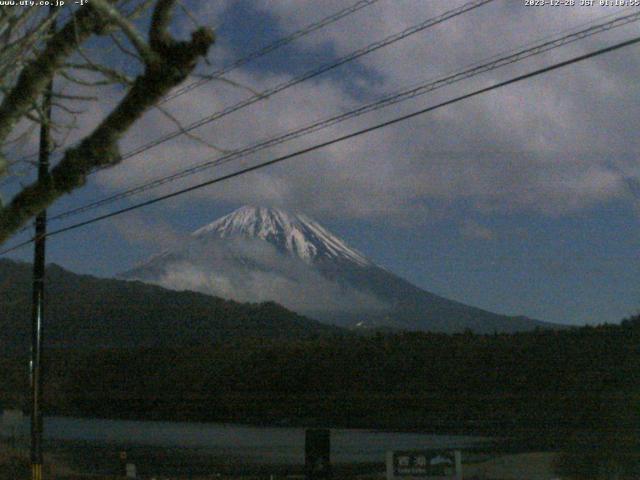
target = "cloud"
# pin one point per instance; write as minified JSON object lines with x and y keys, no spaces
{"x":138,"y":229}
{"x":553,"y":145}
{"x":249,"y":270}
{"x":474,"y":230}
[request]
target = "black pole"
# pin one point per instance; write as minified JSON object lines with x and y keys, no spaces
{"x":37,"y":311}
{"x":317,"y":454}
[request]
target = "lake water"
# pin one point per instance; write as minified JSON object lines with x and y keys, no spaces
{"x":266,"y":445}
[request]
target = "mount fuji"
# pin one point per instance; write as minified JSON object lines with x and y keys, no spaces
{"x":260,"y":254}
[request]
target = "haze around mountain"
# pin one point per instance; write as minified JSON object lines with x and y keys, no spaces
{"x":259,"y":254}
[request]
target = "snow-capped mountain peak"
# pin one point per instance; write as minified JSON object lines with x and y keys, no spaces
{"x":296,"y":234}
{"x":317,"y":274}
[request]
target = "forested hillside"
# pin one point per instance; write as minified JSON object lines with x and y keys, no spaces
{"x":542,"y":385}
{"x":88,"y":312}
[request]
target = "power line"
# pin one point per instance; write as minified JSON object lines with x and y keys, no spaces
{"x":281,"y":42}
{"x":407,"y":94}
{"x":322,"y":69}
{"x":16,"y":247}
{"x":342,"y":138}
{"x":310,"y":74}
{"x":266,"y":143}
{"x":26,"y":159}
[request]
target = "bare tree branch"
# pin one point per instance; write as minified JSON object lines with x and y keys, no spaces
{"x":112,"y":75}
{"x":107,"y":10}
{"x":159,"y":37}
{"x":36,"y":75}
{"x":188,"y":134}
{"x":118,"y":44}
{"x":173,"y":61}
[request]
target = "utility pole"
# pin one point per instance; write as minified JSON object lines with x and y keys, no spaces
{"x":37,"y":310}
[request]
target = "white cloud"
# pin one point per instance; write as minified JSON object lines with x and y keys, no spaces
{"x":553,"y":145}
{"x":137,"y":228}
{"x":254,"y":271}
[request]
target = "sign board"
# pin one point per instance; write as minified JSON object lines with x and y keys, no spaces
{"x":131,"y":471}
{"x":427,"y":464}
{"x":317,"y":454}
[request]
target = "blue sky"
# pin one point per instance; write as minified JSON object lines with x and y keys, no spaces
{"x":519,"y":201}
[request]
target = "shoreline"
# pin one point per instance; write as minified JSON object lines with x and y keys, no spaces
{"x":292,"y":423}
{"x":72,"y":462}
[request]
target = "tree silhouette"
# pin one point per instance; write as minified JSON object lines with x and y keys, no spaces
{"x":34,"y":53}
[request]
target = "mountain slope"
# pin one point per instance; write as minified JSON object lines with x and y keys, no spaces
{"x":294,"y":234}
{"x":85,"y":311}
{"x":257,"y":254}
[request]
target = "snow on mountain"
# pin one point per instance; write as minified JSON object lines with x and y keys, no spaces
{"x":293,"y":233}
{"x":257,"y":254}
